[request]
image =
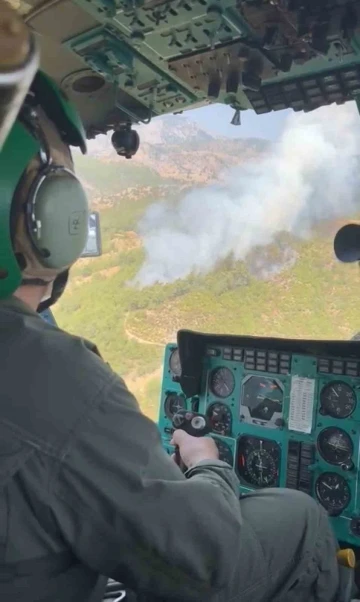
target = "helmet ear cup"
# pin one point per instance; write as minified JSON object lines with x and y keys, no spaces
{"x":57,"y":218}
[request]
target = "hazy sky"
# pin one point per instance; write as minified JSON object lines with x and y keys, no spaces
{"x":216,"y":119}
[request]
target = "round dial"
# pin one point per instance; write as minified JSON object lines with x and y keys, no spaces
{"x":222,"y":382}
{"x":220,"y":418}
{"x":261,"y":467}
{"x":258,"y":461}
{"x":338,"y":400}
{"x":174,"y":403}
{"x":225,"y":453}
{"x":333,"y":492}
{"x":174,"y":363}
{"x":335,"y":446}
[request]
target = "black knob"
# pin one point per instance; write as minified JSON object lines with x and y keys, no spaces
{"x":193,"y":423}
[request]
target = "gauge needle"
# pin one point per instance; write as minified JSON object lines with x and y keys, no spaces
{"x":334,"y":391}
{"x":337,"y":444}
{"x":328,"y":486}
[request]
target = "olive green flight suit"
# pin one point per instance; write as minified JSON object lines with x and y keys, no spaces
{"x":86,"y":489}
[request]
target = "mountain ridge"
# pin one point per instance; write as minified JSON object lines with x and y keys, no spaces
{"x":171,"y":152}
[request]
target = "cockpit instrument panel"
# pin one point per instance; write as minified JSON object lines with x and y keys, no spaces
{"x":283,"y":413}
{"x":174,"y":363}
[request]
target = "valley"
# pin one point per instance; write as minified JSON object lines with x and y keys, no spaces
{"x":292,"y":287}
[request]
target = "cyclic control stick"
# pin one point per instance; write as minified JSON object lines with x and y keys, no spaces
{"x":194,"y":424}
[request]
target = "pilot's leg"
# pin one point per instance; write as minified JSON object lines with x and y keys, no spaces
{"x":298,"y":544}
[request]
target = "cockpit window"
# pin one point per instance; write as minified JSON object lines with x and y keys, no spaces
{"x":218,"y":229}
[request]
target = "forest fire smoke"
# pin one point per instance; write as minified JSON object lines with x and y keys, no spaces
{"x":309,"y":175}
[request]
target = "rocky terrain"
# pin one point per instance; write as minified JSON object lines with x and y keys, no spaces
{"x":173,"y":151}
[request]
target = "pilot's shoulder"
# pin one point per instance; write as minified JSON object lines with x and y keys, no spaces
{"x":65,"y":368}
{"x":73,"y":359}
{"x":54,"y":381}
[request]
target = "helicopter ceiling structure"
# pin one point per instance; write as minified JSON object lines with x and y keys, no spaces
{"x":124,"y":62}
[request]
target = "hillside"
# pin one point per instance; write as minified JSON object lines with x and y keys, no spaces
{"x":171,"y":151}
{"x":291,"y":287}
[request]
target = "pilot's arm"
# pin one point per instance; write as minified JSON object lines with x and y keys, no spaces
{"x":128,"y":512}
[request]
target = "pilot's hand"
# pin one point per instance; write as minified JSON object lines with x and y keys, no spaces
{"x":194,"y":449}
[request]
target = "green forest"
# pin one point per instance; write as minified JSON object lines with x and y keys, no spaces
{"x":316,"y":297}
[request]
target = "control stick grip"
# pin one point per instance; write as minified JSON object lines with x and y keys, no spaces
{"x":194,"y":424}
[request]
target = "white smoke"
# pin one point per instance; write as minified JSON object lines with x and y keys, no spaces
{"x":310,"y":175}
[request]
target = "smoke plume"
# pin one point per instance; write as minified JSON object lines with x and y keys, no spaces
{"x":310,"y":175}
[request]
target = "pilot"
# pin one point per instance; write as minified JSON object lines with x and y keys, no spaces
{"x":85,"y":486}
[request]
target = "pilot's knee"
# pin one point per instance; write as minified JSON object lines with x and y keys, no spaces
{"x":287,"y":509}
{"x":297,"y":540}
{"x":296,"y":500}
{"x":288,"y":523}
{"x":306,"y":519}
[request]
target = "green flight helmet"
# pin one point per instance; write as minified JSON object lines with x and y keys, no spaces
{"x":44,"y":209}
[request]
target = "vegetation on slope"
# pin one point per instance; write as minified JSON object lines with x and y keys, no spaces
{"x":315,"y":298}
{"x":114,"y":177}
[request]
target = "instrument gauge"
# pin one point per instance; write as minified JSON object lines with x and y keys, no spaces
{"x":222,"y":382}
{"x":333,"y":492}
{"x":261,"y":468}
{"x":225,"y":453}
{"x":335,"y":446}
{"x":174,"y":403}
{"x":262,"y":400}
{"x":258,"y":461}
{"x":220,"y":418}
{"x":174,"y":363}
{"x":338,"y":399}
